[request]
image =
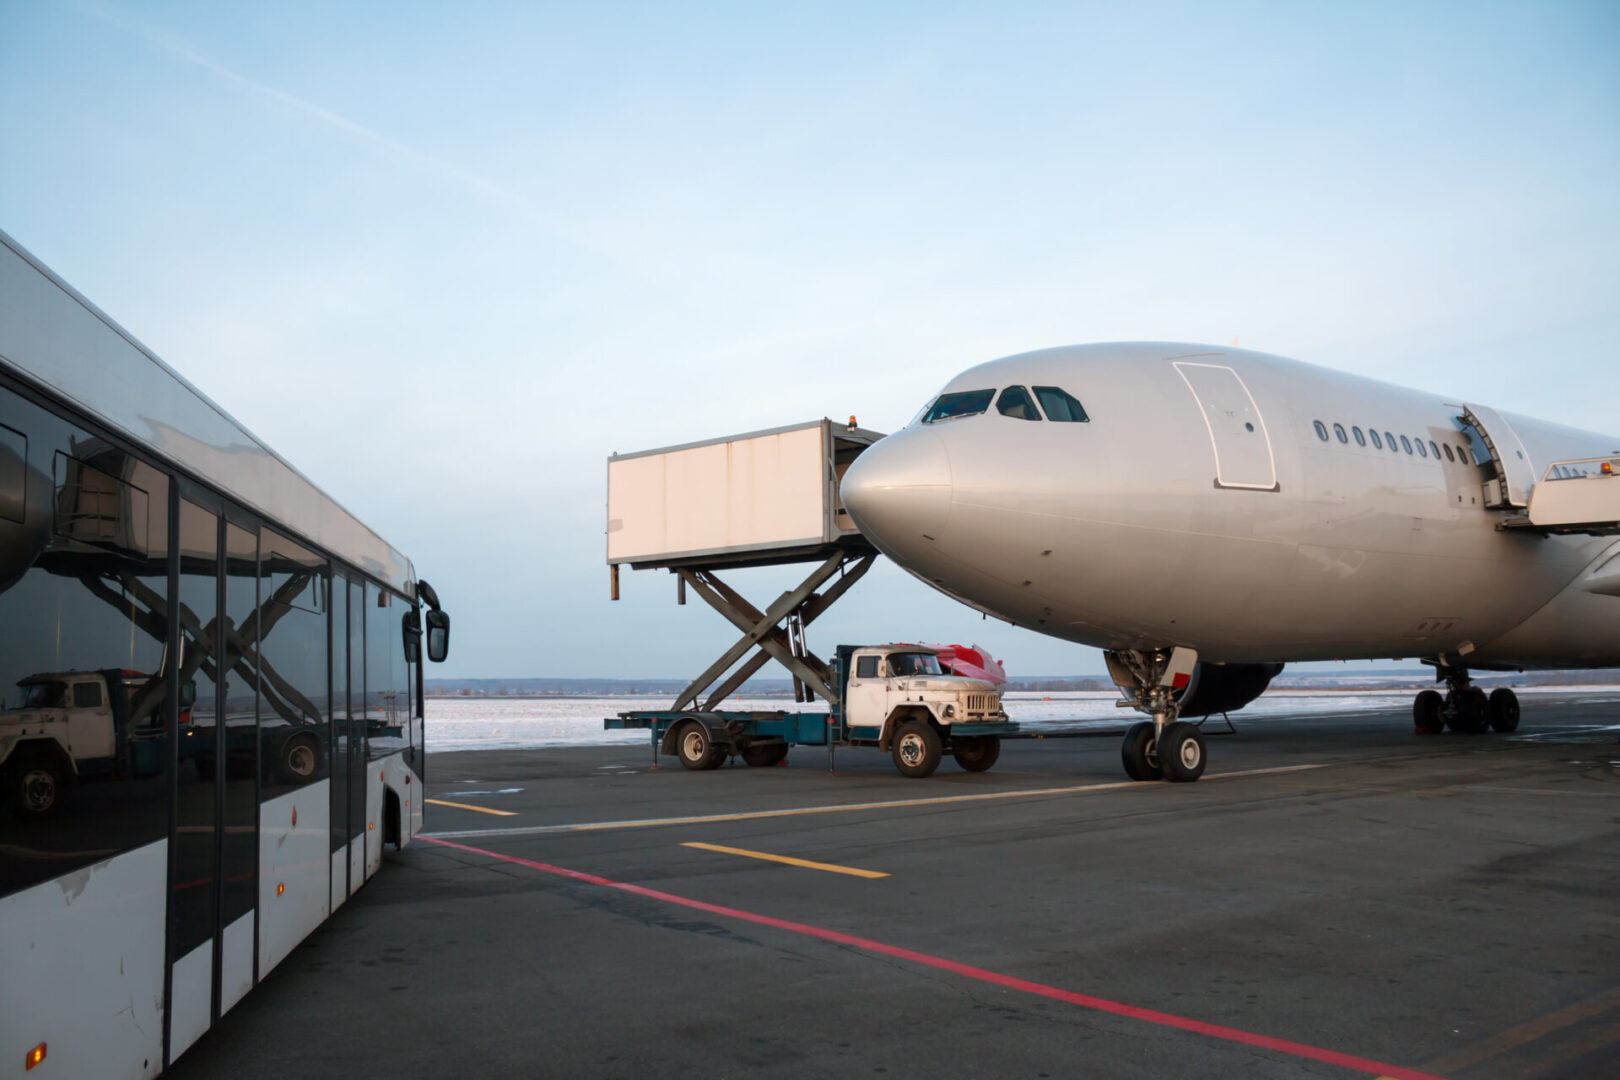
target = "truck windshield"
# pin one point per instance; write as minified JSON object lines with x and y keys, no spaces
{"x":43,"y":695}
{"x":913,"y":663}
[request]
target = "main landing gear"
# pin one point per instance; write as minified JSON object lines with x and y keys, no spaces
{"x":1465,"y":708}
{"x":1153,"y":682}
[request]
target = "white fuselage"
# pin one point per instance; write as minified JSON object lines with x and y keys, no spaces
{"x":1198,"y":506}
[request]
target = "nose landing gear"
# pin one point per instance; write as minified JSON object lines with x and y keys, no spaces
{"x":1154,"y":682}
{"x":1465,"y":708}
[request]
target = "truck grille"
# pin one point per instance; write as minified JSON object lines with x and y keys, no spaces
{"x":983,"y":703}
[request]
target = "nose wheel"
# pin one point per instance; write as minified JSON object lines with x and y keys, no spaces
{"x":1165,"y":747}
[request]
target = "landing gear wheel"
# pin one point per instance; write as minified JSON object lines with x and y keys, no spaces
{"x":763,"y":754}
{"x":1502,"y":709}
{"x":1181,"y":752}
{"x":976,"y":753}
{"x":1426,"y":713}
{"x":916,"y":749}
{"x":695,"y":747}
{"x":35,"y":787}
{"x":1468,"y":711}
{"x":1141,"y":760}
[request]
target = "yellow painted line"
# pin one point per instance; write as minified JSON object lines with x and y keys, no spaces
{"x":788,"y":860}
{"x":1527,"y":1032}
{"x":470,"y":806}
{"x":842,"y":808}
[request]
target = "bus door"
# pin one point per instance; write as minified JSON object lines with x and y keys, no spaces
{"x":214,"y":860}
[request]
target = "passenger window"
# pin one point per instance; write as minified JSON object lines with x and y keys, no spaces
{"x":1338,"y":430}
{"x":963,"y":403}
{"x":1389,"y":438}
{"x":1447,"y":448}
{"x":1059,"y":405}
{"x":866,"y":667}
{"x":1436,"y":448}
{"x":1321,"y":430}
{"x":1361,"y":440}
{"x":1406,"y":444}
{"x":1016,"y":402}
{"x":87,"y":695}
{"x":1467,"y":454}
{"x":1378,"y":444}
{"x":1422,"y":453}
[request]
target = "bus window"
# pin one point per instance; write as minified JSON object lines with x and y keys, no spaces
{"x":1060,"y":405}
{"x":958,"y":405}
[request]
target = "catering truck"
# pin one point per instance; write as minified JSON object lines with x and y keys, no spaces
{"x":891,"y":697}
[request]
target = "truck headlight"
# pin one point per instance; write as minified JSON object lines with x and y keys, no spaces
{"x":950,"y":710}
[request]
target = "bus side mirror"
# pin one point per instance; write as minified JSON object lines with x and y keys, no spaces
{"x":412,"y":627}
{"x":438,"y":635}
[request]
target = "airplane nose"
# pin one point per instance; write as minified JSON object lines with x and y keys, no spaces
{"x":899,"y":489}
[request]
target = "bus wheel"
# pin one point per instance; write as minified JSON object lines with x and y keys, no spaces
{"x":695,"y":747}
{"x":765,"y":754}
{"x":36,"y":786}
{"x":976,"y":753}
{"x":916,"y":749}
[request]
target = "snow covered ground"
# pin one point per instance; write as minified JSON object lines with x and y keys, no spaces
{"x":484,"y":723}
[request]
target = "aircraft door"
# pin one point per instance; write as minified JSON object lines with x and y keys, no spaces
{"x":1515,"y":472}
{"x":1237,"y":433}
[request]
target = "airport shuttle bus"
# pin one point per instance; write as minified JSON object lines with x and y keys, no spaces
{"x":210,"y":697}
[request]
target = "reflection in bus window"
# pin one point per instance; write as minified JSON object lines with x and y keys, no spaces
{"x":1060,"y":405}
{"x":292,"y":715}
{"x":83,"y":620}
{"x":955,"y":406}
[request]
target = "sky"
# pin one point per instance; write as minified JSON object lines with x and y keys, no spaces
{"x":445,"y":258}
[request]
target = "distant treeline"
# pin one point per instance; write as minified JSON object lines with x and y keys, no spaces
{"x":1387,"y":679}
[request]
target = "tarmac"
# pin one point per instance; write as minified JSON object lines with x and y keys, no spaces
{"x":1337,"y":897}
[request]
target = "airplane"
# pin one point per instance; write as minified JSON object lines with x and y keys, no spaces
{"x":1205,"y":515}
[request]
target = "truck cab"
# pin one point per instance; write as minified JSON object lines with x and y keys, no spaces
{"x":898,"y":698}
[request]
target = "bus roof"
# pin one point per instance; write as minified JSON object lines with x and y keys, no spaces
{"x":52,"y":336}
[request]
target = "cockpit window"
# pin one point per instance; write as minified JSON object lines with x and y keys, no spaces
{"x":1016,"y":402}
{"x":1059,"y":405}
{"x":911,"y":663}
{"x":963,"y":403}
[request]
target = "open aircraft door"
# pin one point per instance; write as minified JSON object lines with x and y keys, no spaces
{"x":1237,"y":433}
{"x":1515,"y":473}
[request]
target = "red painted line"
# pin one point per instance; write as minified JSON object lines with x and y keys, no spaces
{"x":1086,"y":1001}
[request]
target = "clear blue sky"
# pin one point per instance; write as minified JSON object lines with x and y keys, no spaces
{"x":446,"y":258}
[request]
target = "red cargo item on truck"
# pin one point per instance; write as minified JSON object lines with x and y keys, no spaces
{"x":970,"y":660}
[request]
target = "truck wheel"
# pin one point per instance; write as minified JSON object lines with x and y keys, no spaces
{"x":300,"y":759}
{"x":36,"y":786}
{"x":695,"y":747}
{"x":916,"y":749}
{"x":976,"y":753}
{"x":764,"y":754}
